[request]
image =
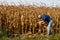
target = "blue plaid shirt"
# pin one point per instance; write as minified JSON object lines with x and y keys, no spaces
{"x":46,"y":17}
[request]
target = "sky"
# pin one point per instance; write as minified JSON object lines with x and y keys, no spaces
{"x":31,"y":2}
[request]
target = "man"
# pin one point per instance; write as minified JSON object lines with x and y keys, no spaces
{"x":46,"y":18}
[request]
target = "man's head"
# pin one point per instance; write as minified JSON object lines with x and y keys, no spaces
{"x":39,"y":16}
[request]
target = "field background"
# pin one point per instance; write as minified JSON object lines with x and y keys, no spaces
{"x":22,"y":20}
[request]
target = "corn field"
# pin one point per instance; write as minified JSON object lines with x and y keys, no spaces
{"x":23,"y":19}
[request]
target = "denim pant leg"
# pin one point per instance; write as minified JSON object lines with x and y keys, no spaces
{"x":49,"y":27}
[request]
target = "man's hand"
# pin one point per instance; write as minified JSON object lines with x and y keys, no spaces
{"x":41,"y":22}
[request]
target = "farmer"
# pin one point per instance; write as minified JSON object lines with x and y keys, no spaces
{"x":46,"y":18}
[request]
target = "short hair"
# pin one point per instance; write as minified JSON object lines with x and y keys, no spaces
{"x":39,"y":16}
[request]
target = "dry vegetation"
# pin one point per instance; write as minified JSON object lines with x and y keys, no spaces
{"x":23,"y":19}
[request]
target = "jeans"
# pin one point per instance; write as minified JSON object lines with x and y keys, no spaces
{"x":49,"y":27}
